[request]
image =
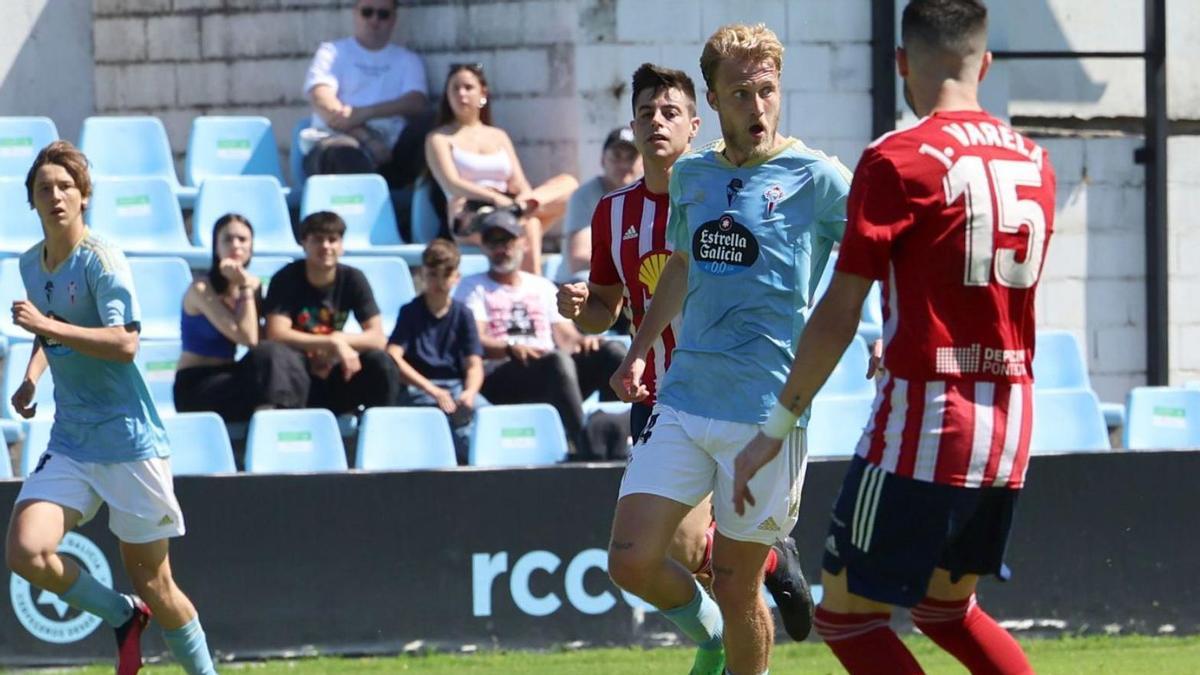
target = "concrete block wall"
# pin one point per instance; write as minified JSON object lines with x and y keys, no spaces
{"x":179,"y":59}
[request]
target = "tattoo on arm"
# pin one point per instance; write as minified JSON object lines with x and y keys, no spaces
{"x":621,"y":545}
{"x":721,"y":570}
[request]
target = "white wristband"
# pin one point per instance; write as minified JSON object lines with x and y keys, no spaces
{"x":779,"y":423}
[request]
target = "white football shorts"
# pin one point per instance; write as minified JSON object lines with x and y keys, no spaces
{"x":140,"y":495}
{"x":684,"y":457}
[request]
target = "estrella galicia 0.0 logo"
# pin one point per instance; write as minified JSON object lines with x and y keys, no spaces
{"x":724,"y":246}
{"x":43,"y":613}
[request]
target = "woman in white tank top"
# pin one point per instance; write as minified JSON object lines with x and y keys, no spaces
{"x":475,"y":161}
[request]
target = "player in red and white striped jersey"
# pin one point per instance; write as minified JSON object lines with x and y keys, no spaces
{"x":954,"y":217}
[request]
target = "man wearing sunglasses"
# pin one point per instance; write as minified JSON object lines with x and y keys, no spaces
{"x":370,"y":104}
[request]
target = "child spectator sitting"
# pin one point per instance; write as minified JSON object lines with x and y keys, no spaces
{"x":220,"y":312}
{"x":307,"y":307}
{"x":436,"y":346}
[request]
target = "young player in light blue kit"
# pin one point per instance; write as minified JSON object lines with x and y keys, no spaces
{"x":753,"y":220}
{"x":107,"y":444}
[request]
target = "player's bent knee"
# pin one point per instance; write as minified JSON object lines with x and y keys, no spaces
{"x":630,"y":568}
{"x":734,"y":589}
{"x":30,"y":562}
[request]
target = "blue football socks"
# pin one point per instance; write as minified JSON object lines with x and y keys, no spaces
{"x":190,"y":648}
{"x":93,"y":597}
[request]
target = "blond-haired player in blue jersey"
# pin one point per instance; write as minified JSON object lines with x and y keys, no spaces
{"x":107,"y":444}
{"x":753,"y":219}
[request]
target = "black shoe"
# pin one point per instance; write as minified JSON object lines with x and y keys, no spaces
{"x":790,"y":590}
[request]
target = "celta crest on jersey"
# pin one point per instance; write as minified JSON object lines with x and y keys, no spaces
{"x":49,"y":288}
{"x":732,"y":190}
{"x":724,"y":246}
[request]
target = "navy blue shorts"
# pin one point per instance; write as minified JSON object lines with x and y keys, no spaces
{"x":889,"y":533}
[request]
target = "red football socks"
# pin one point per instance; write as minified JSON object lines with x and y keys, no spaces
{"x":966,"y":631}
{"x":865,"y":644}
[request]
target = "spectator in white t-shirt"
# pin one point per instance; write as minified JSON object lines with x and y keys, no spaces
{"x":370,"y":102}
{"x":531,"y":353}
{"x":620,"y":165}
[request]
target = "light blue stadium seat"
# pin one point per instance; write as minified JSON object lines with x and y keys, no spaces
{"x":231,"y":146}
{"x":131,"y":147}
{"x":14,"y":373}
{"x":529,"y":434}
{"x":160,"y":284}
{"x":551,"y":263}
{"x":364,"y":202}
{"x":1058,"y":363}
{"x":391,"y":282}
{"x":199,"y":444}
{"x":158,"y":360}
{"x":20,"y":227}
{"x":5,"y":465}
{"x":1163,"y":418}
{"x":849,"y":376}
{"x":259,"y":199}
{"x":11,"y":288}
{"x":296,"y":157}
{"x":294,"y":441}
{"x":142,"y":217}
{"x":836,"y":424}
{"x":593,"y":404}
{"x":472,"y":263}
{"x":11,"y":430}
{"x":37,"y":439}
{"x":424,"y":217}
{"x":1067,"y":420}
{"x":265,"y":266}
{"x":400,"y":439}
{"x":21,"y":139}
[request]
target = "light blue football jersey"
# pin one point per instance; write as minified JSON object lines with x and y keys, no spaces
{"x":758,"y":237}
{"x":103,"y":410}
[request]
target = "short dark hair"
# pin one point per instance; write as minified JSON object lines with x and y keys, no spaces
{"x":441,"y":254}
{"x":68,"y":157}
{"x":658,"y":78}
{"x":322,"y":222}
{"x":947,"y":25}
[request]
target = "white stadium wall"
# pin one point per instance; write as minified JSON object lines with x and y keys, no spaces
{"x":560,"y":79}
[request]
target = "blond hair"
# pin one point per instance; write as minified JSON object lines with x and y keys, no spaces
{"x":740,"y":42}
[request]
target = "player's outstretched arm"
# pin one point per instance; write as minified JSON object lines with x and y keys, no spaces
{"x":826,"y":336}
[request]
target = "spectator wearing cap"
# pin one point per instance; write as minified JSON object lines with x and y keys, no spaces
{"x":369,"y":99}
{"x":620,"y":165}
{"x":532,"y":354}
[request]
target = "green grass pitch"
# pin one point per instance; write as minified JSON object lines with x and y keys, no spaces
{"x":1129,"y":655}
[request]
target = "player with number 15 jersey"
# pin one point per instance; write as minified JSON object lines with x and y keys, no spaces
{"x":953,"y":216}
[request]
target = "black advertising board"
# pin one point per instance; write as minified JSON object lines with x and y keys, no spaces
{"x":375,"y":562}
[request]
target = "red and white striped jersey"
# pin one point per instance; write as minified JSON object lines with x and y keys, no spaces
{"x":954,"y":217}
{"x":969,"y":433}
{"x":630,"y":247}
